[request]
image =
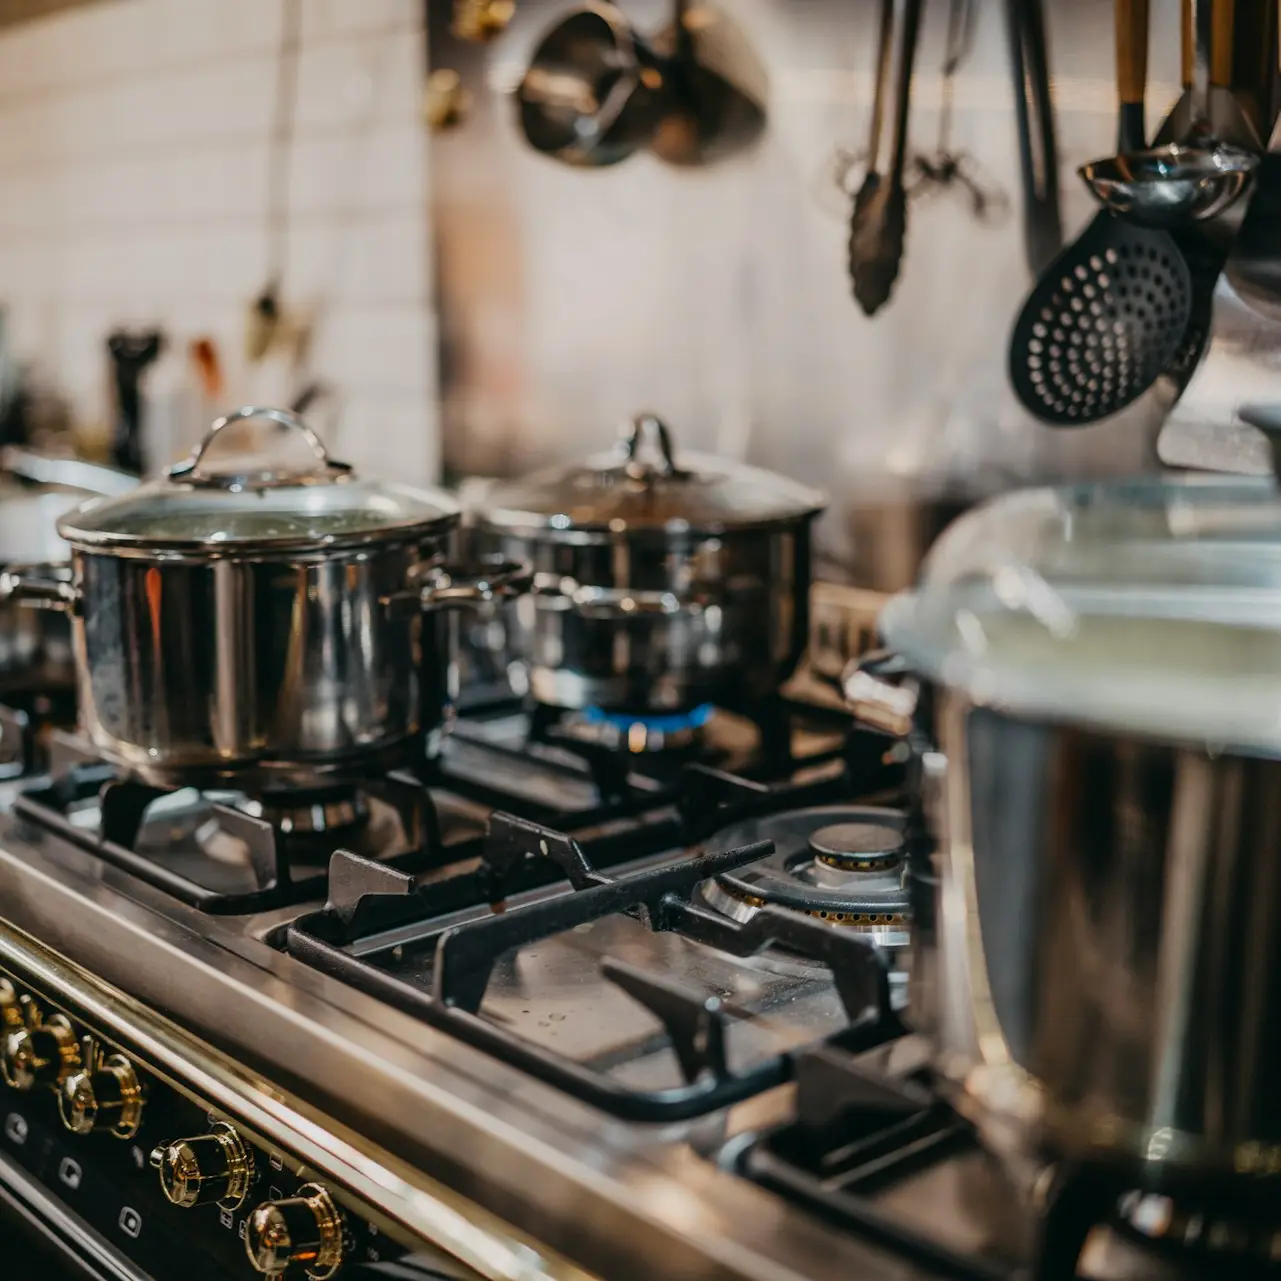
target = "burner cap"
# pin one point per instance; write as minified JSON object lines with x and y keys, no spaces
{"x":857,"y":847}
{"x":842,"y":864}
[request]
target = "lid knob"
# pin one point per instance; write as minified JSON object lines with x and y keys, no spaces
{"x":648,"y":446}
{"x":194,"y":471}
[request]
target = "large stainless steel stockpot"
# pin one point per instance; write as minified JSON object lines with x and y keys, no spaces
{"x":275,"y":625}
{"x":662,"y":581}
{"x":35,"y":489}
{"x":1094,"y":689}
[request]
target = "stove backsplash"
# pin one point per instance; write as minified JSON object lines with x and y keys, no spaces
{"x":718,"y":296}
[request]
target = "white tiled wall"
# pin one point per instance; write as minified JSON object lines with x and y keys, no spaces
{"x":133,"y":188}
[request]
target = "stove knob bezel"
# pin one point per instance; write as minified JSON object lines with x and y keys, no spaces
{"x":104,"y":1088}
{"x":65,"y":1049}
{"x":331,"y":1242}
{"x":237,"y":1171}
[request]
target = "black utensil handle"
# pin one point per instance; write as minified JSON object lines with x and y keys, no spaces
{"x":903,"y":95}
{"x":884,"y":48}
{"x":1131,"y":73}
{"x":1038,"y":146}
{"x":130,"y":355}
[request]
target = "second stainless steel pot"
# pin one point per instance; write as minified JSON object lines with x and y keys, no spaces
{"x":1095,"y":695}
{"x":662,"y":582}
{"x":276,"y":626}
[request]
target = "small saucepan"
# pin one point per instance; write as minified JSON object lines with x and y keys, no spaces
{"x":663,"y":581}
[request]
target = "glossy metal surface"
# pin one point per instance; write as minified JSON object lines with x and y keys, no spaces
{"x":1191,"y":179}
{"x":273,"y":624}
{"x":1172,"y":185}
{"x":661,"y":581}
{"x":293,"y":667}
{"x":655,"y":622}
{"x":407,"y":1109}
{"x":1108,"y":946}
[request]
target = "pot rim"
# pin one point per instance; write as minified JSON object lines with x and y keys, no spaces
{"x":525,"y":524}
{"x":195,"y":548}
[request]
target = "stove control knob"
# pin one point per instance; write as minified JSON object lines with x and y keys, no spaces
{"x":10,"y":1008}
{"x":102,"y":1094}
{"x":38,"y":1052}
{"x":306,"y":1230}
{"x":214,"y":1167}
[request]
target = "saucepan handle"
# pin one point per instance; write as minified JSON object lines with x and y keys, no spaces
{"x":462,"y":586}
{"x":610,"y":602}
{"x":880,"y":692}
{"x":40,"y":586}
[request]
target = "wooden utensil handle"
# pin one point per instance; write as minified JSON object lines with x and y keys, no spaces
{"x":1221,"y":43}
{"x":1131,"y":50}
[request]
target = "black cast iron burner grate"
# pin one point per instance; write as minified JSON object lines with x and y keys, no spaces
{"x":270,"y":878}
{"x":860,"y":1134}
{"x":367,"y":899}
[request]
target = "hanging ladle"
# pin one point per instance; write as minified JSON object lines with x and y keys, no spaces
{"x":1181,"y":182}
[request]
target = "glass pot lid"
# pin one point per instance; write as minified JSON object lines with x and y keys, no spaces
{"x":218,"y":500}
{"x":645,"y":484}
{"x":1150,"y":607}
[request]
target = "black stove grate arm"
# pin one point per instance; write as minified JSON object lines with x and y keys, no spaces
{"x":511,"y":842}
{"x":693,"y":1022}
{"x":858,"y":969}
{"x":466,"y":954}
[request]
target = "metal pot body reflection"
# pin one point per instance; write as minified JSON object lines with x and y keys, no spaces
{"x":1101,"y":973}
{"x":654,"y":621}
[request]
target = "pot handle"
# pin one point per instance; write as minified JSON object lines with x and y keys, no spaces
{"x":621,"y":602}
{"x":462,"y":586}
{"x":876,"y":693}
{"x":40,"y":586}
{"x":192,"y":469}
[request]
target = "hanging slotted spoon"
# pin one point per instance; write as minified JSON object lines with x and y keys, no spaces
{"x":1109,"y":313}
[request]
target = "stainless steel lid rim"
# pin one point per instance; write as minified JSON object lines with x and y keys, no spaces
{"x":531,"y":525}
{"x":300,"y":549}
{"x":644,"y":487}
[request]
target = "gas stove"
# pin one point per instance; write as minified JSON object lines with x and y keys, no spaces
{"x":582,"y":998}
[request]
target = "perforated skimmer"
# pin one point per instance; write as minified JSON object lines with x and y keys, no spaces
{"x":1105,"y":319}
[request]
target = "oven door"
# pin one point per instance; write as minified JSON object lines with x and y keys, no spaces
{"x":41,"y":1240}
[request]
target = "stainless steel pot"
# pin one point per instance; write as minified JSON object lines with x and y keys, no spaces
{"x":281,"y":626}
{"x":1092,"y":681}
{"x":35,"y":647}
{"x":661,"y":582}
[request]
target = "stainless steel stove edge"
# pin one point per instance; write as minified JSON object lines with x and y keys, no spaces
{"x":513,"y":1177}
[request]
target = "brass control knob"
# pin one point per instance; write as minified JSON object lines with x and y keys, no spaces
{"x":102,"y":1094}
{"x":38,"y":1053}
{"x":213,"y":1167}
{"x":10,"y":1008}
{"x":306,"y":1229}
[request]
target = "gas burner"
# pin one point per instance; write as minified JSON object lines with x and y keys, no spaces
{"x":841,"y":864}
{"x":638,"y":733}
{"x":321,"y":812}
